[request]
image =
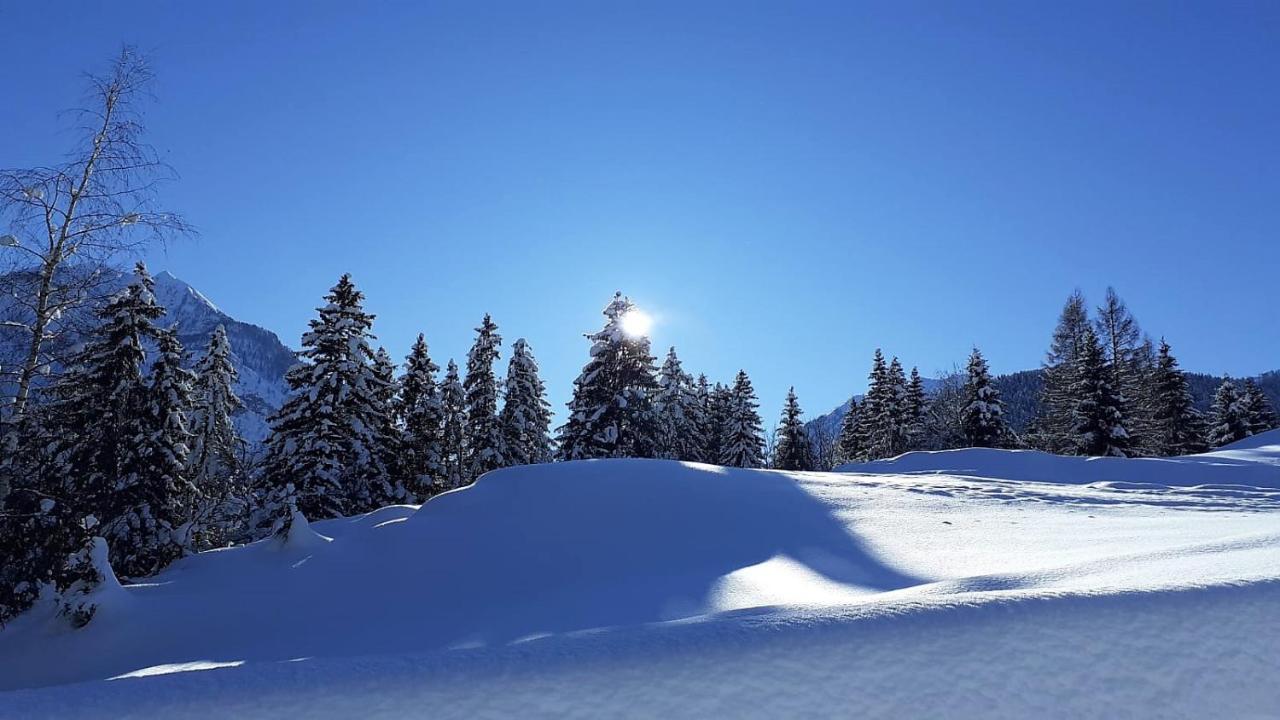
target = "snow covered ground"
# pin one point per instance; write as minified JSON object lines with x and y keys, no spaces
{"x":961,"y":584}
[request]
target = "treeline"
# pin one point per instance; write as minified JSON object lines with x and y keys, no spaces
{"x":1105,"y":389}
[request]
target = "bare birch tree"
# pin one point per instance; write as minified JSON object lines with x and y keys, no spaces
{"x":65,"y":224}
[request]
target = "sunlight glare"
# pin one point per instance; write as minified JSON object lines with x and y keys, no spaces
{"x":636,"y":323}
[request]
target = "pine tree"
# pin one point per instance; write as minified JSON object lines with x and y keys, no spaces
{"x":526,"y":415}
{"x":899,"y":421}
{"x":880,"y":416}
{"x":1258,"y":413}
{"x":484,"y":436}
{"x":678,"y":409}
{"x":611,"y":413}
{"x":1055,"y":420}
{"x":386,"y":409}
{"x":421,"y":416}
{"x":916,"y":403}
{"x":743,"y":444}
{"x":327,"y":449}
{"x":213,"y":462}
{"x":792,"y":451}
{"x":982,"y":419}
{"x":714,"y":401}
{"x":453,"y":430}
{"x":1131,"y":358}
{"x":1177,"y":427}
{"x":153,"y":500}
{"x":849,"y":447}
{"x":1099,"y":415}
{"x":1229,"y":422}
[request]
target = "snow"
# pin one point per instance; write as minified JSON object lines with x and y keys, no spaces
{"x":994,"y":584}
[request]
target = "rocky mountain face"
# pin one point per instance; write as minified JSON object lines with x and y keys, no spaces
{"x":260,"y":358}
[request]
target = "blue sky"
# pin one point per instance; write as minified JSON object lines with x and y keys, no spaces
{"x":785,"y":186}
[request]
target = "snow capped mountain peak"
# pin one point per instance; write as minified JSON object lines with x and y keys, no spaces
{"x":260,"y":358}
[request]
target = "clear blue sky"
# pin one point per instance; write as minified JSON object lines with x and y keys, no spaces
{"x":786,"y":186}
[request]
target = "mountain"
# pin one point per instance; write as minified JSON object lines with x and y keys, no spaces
{"x":259,"y":356}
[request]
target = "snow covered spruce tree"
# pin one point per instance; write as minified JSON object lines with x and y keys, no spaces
{"x":327,"y":454}
{"x":792,"y":451}
{"x":213,"y":464}
{"x":982,"y":419}
{"x":899,"y":419}
{"x":526,"y":415}
{"x":1099,"y":410}
{"x":1229,"y":422}
{"x":1177,"y":427}
{"x":849,"y":447}
{"x":154,"y":501}
{"x":1053,"y":428}
{"x":420,"y":415}
{"x":484,"y":436}
{"x":1131,"y":359}
{"x":743,"y":443}
{"x":611,"y":413}
{"x":916,"y":404}
{"x":101,"y":455}
{"x":1258,"y":413}
{"x":679,"y":409}
{"x":719,"y":402}
{"x":880,"y":418}
{"x":386,"y":393}
{"x":453,"y":430}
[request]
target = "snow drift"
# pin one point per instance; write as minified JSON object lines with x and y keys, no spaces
{"x":634,"y":587}
{"x":1254,"y":461}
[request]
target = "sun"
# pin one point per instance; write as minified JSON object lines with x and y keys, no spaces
{"x":636,"y":323}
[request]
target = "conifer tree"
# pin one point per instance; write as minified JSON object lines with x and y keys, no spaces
{"x":327,"y":449}
{"x":386,"y":408}
{"x":526,"y":414}
{"x":916,"y":403}
{"x":1258,"y":413}
{"x":879,"y":417}
{"x":1099,"y":415}
{"x":792,"y":451}
{"x":453,"y":430}
{"x":153,"y":499}
{"x":849,"y":447}
{"x":213,"y":462}
{"x":1177,"y":428}
{"x":484,"y":436}
{"x":678,"y":409}
{"x":611,"y":413}
{"x":982,"y":419}
{"x":1132,"y":358}
{"x":420,"y":414}
{"x":1229,"y":422}
{"x":743,"y":439}
{"x":899,"y":421}
{"x":718,"y":407}
{"x":1056,"y":417}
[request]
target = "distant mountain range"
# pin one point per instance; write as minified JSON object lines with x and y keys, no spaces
{"x":259,"y":356}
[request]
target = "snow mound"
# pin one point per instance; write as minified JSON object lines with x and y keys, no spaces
{"x":644,"y":587}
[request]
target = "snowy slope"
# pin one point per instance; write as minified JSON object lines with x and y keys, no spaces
{"x":1253,"y":463}
{"x":647,"y":588}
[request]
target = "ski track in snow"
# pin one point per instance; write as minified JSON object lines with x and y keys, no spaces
{"x":653,"y":588}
